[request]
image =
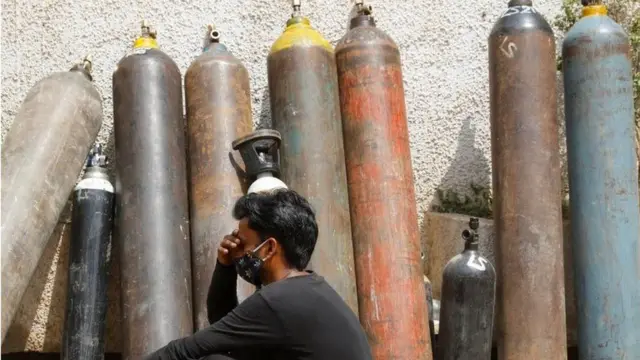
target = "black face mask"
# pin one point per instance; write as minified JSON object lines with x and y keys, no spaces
{"x":249,"y":265}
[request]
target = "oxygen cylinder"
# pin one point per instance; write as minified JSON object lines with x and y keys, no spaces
{"x":152,"y":208}
{"x":218,"y":111}
{"x":527,"y":185}
{"x":89,"y":257}
{"x":260,"y":151}
{"x":468,"y":302}
{"x":303,"y":86}
{"x":603,"y":180}
{"x":42,"y":156}
{"x":391,"y":299}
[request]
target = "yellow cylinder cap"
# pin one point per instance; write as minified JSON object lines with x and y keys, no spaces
{"x":299,"y":32}
{"x":594,"y":10}
{"x":148,"y":37}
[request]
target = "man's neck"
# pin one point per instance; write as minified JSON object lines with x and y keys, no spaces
{"x":283,"y":274}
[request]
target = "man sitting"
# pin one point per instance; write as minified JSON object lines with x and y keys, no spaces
{"x":294,"y":314}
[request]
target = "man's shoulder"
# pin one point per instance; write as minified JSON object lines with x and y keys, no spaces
{"x":297,"y":287}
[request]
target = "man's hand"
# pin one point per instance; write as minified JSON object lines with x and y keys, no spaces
{"x":229,"y":249}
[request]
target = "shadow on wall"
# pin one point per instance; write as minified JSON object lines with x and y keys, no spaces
{"x":470,"y":165}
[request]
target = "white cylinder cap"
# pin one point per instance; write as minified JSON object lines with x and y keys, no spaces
{"x":267,"y":183}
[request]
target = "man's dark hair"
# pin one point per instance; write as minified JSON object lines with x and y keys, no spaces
{"x":284,"y":215}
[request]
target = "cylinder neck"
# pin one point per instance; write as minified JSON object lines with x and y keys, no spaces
{"x":471,"y":245}
{"x":298,"y":20}
{"x":513,"y":3}
{"x":84,"y":68}
{"x":362,"y":21}
{"x":96,"y":172}
{"x":594,"y":10}
{"x":214,"y":47}
{"x":296,"y":15}
{"x":471,"y":236}
{"x":264,"y":175}
{"x":96,"y":164}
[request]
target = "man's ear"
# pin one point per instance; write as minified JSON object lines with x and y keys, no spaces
{"x":272,"y":247}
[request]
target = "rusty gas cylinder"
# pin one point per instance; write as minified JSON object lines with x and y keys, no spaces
{"x":391,"y":298}
{"x":526,"y":186}
{"x":218,"y":111}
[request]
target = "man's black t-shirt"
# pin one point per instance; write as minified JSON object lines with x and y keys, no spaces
{"x":300,"y":317}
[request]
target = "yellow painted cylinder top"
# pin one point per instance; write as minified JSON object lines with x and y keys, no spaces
{"x":145,"y":42}
{"x":299,"y":32}
{"x":594,"y":10}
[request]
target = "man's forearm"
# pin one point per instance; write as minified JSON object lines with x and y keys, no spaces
{"x":251,"y":325}
{"x":222,"y":296}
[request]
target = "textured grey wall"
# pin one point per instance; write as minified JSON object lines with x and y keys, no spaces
{"x":443,"y":44}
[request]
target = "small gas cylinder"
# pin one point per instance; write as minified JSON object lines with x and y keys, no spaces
{"x":468,"y":303}
{"x":89,"y":258}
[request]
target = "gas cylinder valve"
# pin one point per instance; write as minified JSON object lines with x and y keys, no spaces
{"x":214,"y":35}
{"x":471,"y":236}
{"x":148,"y":30}
{"x":84,"y":67}
{"x":363,"y":9}
{"x":96,"y":158}
{"x":296,"y":8}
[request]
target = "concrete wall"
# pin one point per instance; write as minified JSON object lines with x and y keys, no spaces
{"x":443,"y":44}
{"x":444,"y":49}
